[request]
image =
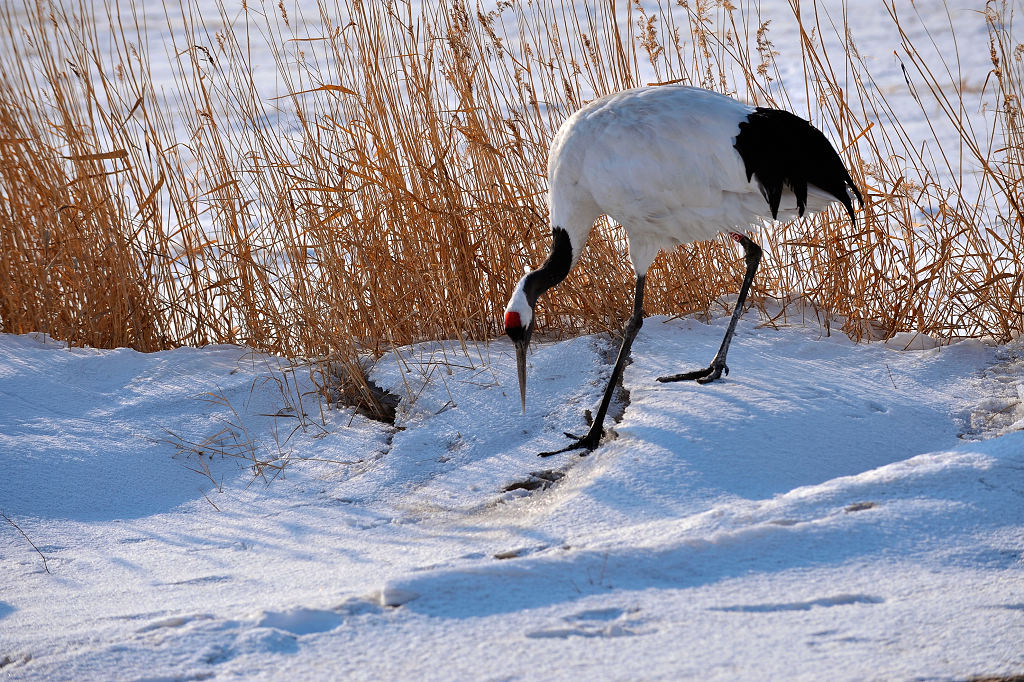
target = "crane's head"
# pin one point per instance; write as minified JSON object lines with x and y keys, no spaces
{"x":519,"y":311}
{"x":519,"y":327}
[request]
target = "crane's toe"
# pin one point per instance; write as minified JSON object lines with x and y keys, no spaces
{"x":587,"y":442}
{"x":701,"y":376}
{"x":716,"y":372}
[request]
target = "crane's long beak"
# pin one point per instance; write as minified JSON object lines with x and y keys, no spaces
{"x":521,"y":369}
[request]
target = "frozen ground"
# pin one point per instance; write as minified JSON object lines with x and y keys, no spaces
{"x":828,"y":509}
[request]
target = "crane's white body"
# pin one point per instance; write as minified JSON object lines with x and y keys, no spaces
{"x":661,"y":162}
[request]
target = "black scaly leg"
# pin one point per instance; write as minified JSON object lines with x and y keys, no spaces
{"x":636,"y":320}
{"x":752,"y":256}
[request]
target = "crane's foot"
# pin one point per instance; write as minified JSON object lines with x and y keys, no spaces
{"x":587,"y":442}
{"x":701,"y":376}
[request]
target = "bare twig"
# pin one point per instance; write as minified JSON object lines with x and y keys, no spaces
{"x":890,"y":376}
{"x":24,"y":535}
{"x":208,"y":499}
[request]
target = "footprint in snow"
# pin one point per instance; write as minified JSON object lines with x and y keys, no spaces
{"x":6,"y":660}
{"x":519,"y":552}
{"x":173,"y":622}
{"x":250,"y":641}
{"x":202,"y":580}
{"x":609,"y":622}
{"x":301,"y":621}
{"x":601,"y":614}
{"x":535,"y":481}
{"x":827,"y":602}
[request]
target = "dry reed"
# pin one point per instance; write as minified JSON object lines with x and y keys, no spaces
{"x":396,"y":190}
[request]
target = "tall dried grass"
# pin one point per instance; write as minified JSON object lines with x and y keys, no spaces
{"x":396,"y":190}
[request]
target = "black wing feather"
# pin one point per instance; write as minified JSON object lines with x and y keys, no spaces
{"x":783,"y":150}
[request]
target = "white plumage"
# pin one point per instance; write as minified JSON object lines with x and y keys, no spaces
{"x":659,"y":161}
{"x":673,"y":164}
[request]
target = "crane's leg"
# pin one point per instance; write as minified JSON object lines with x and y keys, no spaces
{"x":636,"y":320}
{"x":752,"y":256}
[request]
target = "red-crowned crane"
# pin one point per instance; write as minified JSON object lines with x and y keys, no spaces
{"x":672,"y":164}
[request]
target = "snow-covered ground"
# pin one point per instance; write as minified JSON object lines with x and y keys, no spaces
{"x":828,"y":509}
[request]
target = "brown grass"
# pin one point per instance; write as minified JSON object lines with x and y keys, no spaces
{"x":396,"y":191}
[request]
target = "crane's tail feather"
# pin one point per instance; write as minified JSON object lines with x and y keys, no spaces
{"x":783,"y":151}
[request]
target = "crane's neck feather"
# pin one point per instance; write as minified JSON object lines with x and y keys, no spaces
{"x":554,"y":269}
{"x":551,"y":272}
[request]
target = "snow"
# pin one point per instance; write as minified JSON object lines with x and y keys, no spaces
{"x":828,"y":508}
{"x":854,"y":511}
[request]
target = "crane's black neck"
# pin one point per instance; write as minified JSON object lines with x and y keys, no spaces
{"x":553,"y":270}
